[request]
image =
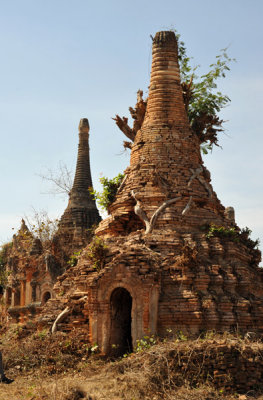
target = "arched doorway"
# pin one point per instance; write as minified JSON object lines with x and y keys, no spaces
{"x":120,"y":333}
{"x":46,"y":296}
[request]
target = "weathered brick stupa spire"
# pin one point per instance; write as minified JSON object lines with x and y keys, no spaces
{"x":166,"y":185}
{"x":81,"y":212}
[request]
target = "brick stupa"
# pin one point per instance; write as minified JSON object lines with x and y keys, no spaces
{"x":81,"y":213}
{"x":166,"y":168}
{"x":161,"y":271}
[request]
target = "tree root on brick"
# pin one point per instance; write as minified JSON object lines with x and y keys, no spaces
{"x":59,"y":319}
{"x":149,"y":224}
{"x":188,"y":206}
{"x":196,"y":174}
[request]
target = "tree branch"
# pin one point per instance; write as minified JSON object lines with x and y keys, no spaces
{"x":137,"y":113}
{"x":122,"y":123}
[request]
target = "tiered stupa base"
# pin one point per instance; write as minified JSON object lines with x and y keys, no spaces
{"x":185,"y":283}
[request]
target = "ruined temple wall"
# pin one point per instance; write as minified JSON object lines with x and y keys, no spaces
{"x":222,"y":292}
{"x":187,"y":283}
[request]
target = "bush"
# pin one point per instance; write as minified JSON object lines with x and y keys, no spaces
{"x":110,"y":187}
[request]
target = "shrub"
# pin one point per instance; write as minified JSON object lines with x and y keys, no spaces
{"x":108,"y":194}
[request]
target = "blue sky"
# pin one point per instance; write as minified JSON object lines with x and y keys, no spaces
{"x":66,"y":60}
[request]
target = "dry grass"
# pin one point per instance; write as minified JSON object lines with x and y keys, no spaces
{"x":172,"y":370}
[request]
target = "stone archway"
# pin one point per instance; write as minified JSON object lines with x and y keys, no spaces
{"x":120,"y":320}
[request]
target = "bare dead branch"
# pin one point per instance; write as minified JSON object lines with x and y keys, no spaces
{"x":137,"y":113}
{"x":61,"y":179}
{"x":122,"y":123}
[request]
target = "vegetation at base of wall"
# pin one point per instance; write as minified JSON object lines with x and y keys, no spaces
{"x":109,"y":190}
{"x":145,"y":343}
{"x":54,"y":354}
{"x":4,"y":253}
{"x":178,"y":367}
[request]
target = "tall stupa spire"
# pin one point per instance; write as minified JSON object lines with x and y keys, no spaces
{"x":165,"y":102}
{"x":81,"y":212}
{"x":166,"y":185}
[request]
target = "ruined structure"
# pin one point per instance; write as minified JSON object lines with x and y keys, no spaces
{"x":31,"y":273}
{"x":81,"y":213}
{"x":171,"y":256}
{"x":32,"y":266}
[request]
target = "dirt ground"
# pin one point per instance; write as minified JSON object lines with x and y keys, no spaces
{"x":97,"y":387}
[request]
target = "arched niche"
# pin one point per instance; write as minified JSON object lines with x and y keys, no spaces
{"x":45,"y":297}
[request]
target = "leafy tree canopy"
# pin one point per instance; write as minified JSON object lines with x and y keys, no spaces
{"x":202,"y":100}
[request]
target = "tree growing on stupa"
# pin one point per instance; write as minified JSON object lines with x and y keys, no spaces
{"x":203,"y":102}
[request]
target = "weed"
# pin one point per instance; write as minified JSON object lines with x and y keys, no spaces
{"x":221,"y":231}
{"x":180,"y":336}
{"x":73,"y":260}
{"x":42,"y":334}
{"x":95,"y":348}
{"x":145,"y":343}
{"x":108,"y":194}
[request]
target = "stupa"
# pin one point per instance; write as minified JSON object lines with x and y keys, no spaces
{"x":81,"y":213}
{"x":172,"y":257}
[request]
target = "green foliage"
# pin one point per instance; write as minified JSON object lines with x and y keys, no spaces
{"x":4,"y":253}
{"x":73,"y":259}
{"x":245,"y":238}
{"x":145,"y":343}
{"x":221,"y":231}
{"x":110,"y":187}
{"x":202,"y":101}
{"x":180,"y":337}
{"x":242,"y":236}
{"x":96,"y":253}
{"x":42,"y":334}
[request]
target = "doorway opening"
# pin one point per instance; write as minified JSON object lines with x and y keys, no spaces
{"x":46,"y":297}
{"x":120,"y":334}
